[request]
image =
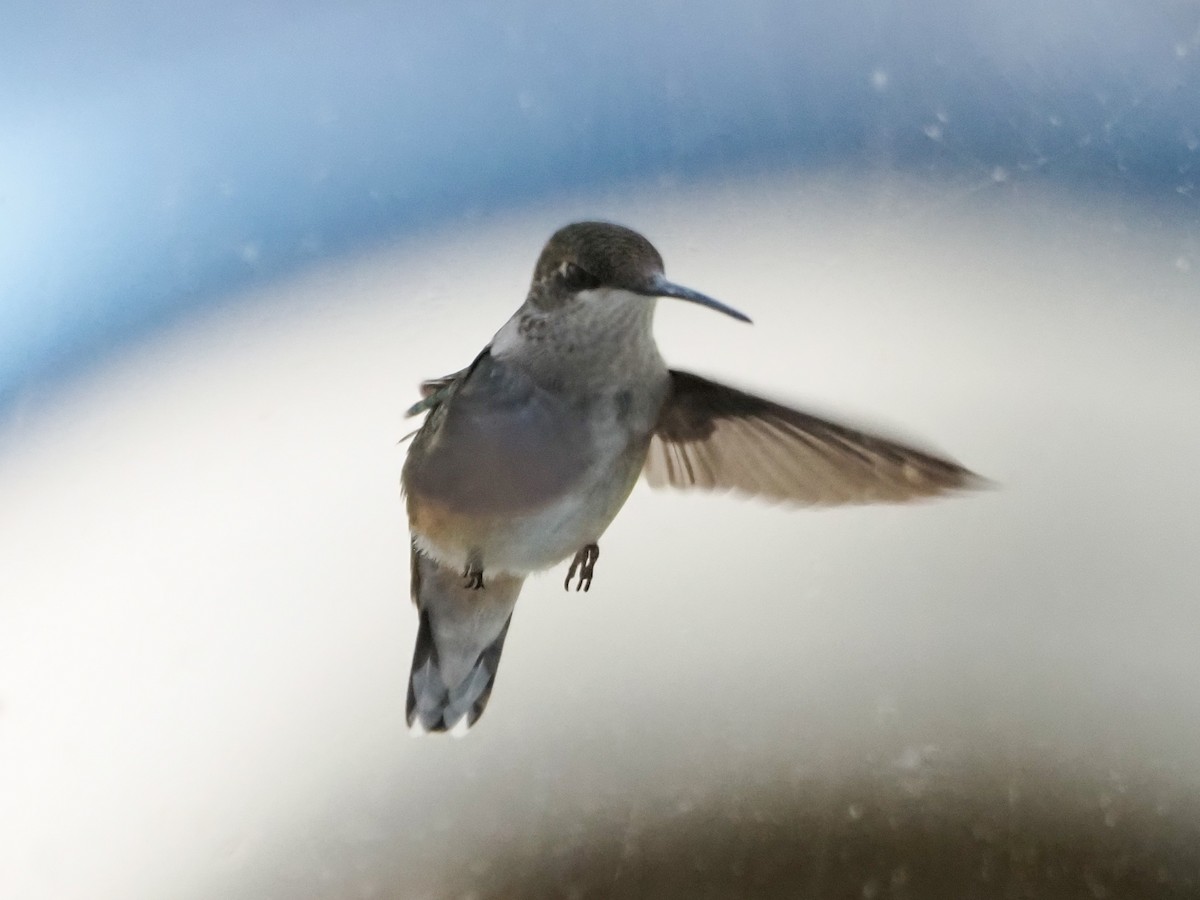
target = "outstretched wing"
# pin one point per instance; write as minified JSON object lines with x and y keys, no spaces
{"x":715,"y":437}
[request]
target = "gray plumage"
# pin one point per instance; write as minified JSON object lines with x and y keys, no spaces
{"x":527,"y":454}
{"x":459,"y":638}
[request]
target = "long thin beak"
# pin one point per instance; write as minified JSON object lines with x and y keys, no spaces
{"x":660,"y":287}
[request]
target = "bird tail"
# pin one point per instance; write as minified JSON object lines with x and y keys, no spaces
{"x":459,"y":640}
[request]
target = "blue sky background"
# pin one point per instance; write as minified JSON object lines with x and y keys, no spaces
{"x":155,"y":157}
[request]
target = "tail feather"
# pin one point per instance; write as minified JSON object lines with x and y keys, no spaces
{"x":459,"y":641}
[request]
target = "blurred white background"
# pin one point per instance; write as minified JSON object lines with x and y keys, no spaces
{"x":235,"y":236}
{"x":205,"y":636}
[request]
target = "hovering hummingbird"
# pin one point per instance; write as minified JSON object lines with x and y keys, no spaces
{"x":528,"y":453}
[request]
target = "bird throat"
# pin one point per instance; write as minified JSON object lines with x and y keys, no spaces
{"x":601,"y":339}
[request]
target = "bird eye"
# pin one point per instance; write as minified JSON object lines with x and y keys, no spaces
{"x":575,"y":278}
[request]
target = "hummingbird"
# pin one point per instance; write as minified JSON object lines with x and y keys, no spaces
{"x":526,"y":456}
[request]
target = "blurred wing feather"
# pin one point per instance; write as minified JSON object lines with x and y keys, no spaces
{"x":435,"y":391}
{"x":714,"y":437}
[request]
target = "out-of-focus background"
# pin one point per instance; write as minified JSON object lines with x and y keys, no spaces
{"x":234,"y":238}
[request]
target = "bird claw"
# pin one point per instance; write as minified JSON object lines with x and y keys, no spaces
{"x":473,"y":577}
{"x":585,"y":563}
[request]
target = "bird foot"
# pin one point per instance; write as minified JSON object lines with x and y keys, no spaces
{"x":585,"y":562}
{"x":473,"y":577}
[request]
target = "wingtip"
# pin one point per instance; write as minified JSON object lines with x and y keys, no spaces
{"x":972,"y":481}
{"x":421,"y":406}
